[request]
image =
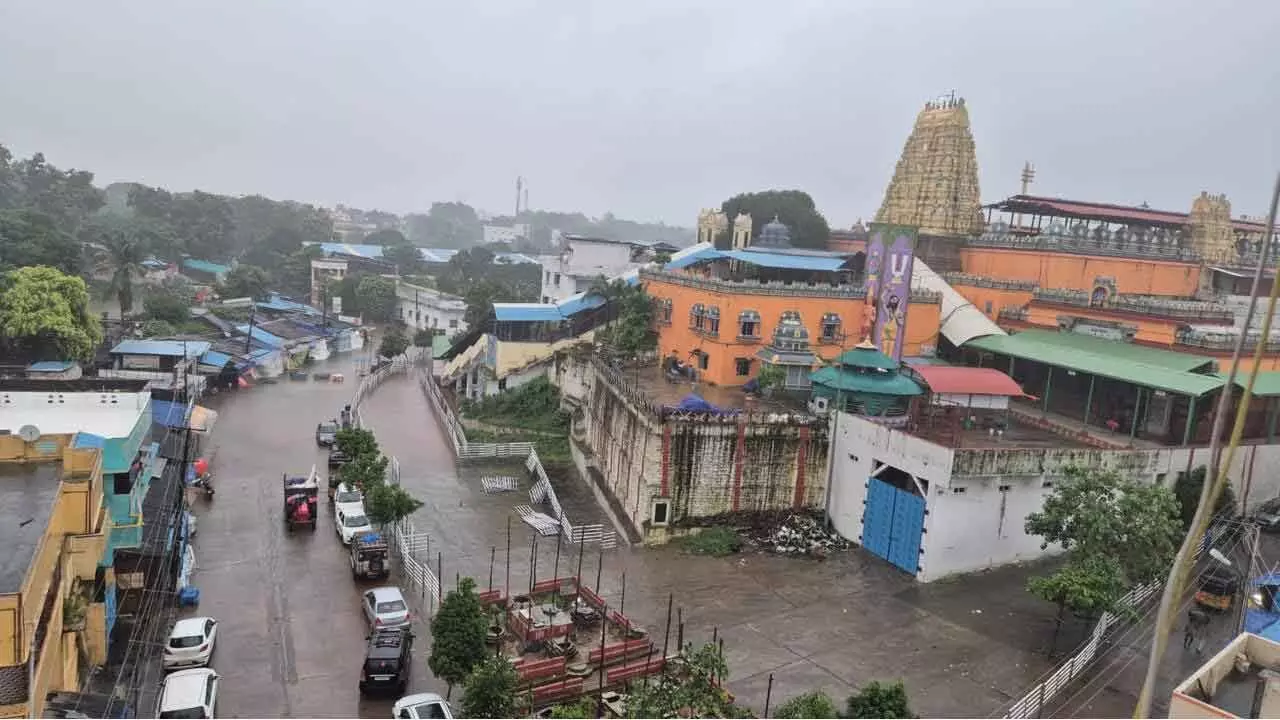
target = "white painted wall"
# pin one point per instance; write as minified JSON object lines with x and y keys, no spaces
{"x":421,"y":308}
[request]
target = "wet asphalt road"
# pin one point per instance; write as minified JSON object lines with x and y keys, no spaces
{"x":291,"y":637}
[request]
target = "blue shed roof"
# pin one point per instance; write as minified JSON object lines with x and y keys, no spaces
{"x":51,"y":366}
{"x":168,"y":413}
{"x":526,"y":312}
{"x":786,"y":261}
{"x":577,"y":303}
{"x":215,"y":358}
{"x":282,"y":304}
{"x":205,"y":266}
{"x":261,"y":336}
{"x":163,"y":348}
{"x":690,"y":255}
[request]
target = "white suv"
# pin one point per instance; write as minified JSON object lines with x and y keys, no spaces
{"x":189,"y":694}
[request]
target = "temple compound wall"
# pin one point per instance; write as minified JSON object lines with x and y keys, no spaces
{"x":665,"y":472}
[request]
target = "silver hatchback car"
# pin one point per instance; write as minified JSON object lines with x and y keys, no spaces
{"x":385,"y":607}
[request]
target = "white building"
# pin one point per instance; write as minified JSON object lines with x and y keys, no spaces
{"x":934,"y":510}
{"x":505,"y":234}
{"x":582,"y":260}
{"x":423,"y":308}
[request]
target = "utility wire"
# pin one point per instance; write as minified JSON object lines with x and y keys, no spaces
{"x":1210,"y":493}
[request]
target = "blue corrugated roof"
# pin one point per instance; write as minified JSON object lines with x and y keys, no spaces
{"x":262,"y":336}
{"x":205,"y":266}
{"x":88,"y":440}
{"x":51,"y":366}
{"x":432,"y":255}
{"x":283,"y":304}
{"x":165,"y":348}
{"x":168,"y":413}
{"x":578,"y":303}
{"x":215,"y":358}
{"x":783,"y":261}
{"x":690,"y":255}
{"x":526,"y":312}
{"x":437,"y":255}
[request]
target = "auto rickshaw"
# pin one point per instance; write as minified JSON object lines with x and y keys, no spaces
{"x":1217,"y":590}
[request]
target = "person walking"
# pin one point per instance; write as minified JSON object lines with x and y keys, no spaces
{"x":1197,"y":621}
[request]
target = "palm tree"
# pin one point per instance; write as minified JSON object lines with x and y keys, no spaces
{"x":122,"y":244}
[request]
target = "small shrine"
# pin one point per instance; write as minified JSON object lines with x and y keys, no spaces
{"x":866,"y":382}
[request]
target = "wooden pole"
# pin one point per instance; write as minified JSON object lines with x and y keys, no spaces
{"x":493,"y":556}
{"x":506,"y":586}
{"x":768,"y":695}
{"x":666,"y":636}
{"x":533,"y":563}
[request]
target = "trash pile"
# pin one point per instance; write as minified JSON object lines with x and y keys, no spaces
{"x":800,"y":535}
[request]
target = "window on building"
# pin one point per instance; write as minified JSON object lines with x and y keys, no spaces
{"x":417,"y":316}
{"x":703,"y":360}
{"x":666,"y":311}
{"x":697,"y":316}
{"x":546,"y":300}
{"x":557,"y":280}
{"x":548,"y":278}
{"x":988,"y":307}
{"x":742,"y":366}
{"x":831,"y":328}
{"x":435,"y":322}
{"x":748,"y":324}
{"x":713,"y":320}
{"x":661,"y":512}
{"x":453,"y":323}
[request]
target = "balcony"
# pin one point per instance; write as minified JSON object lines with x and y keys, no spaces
{"x":775,"y":288}
{"x":1193,"y":311}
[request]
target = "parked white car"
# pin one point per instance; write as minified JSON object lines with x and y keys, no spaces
{"x":384,"y":607}
{"x":423,"y":706}
{"x":347,"y":498}
{"x":350,"y":523}
{"x":189,"y":694}
{"x":190,"y":643}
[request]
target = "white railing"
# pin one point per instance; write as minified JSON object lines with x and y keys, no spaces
{"x":542,"y":489}
{"x":413,"y":550}
{"x":1034,"y":702}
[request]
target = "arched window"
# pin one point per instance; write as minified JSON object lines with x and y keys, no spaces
{"x":697,"y":316}
{"x":748,"y":324}
{"x":831,"y":329}
{"x":713,"y":320}
{"x":662,"y":310}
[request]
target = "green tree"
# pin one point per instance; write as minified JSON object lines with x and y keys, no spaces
{"x":446,"y":225}
{"x":167,"y":306}
{"x":44,"y":315}
{"x":693,"y":689}
{"x":879,"y":700}
{"x":393,"y":344}
{"x":65,"y":196}
{"x":630,"y":331}
{"x":376,"y":297}
{"x":366,"y":472}
{"x":389,"y":504}
{"x":31,"y":238}
{"x":583,"y":708}
{"x":793,"y":208}
{"x":157,"y":328}
{"x":123,"y":243}
{"x":407,"y":258}
{"x":1187,"y":489}
{"x":245,"y":281}
{"x":1117,"y":533}
{"x":385,"y":236}
{"x":813,"y":704}
{"x":206,"y":222}
{"x":357,"y":442}
{"x":458,"y":635}
{"x":490,"y":690}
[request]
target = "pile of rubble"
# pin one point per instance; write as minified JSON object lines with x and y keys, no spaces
{"x":798,"y":534}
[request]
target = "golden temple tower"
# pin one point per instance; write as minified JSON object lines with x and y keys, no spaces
{"x":935,"y":185}
{"x":711,"y":223}
{"x":1212,"y":235}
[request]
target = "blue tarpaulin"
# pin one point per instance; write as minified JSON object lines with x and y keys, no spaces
{"x":694,"y":402}
{"x":168,"y":413}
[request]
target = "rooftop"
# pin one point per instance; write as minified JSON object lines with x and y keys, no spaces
{"x":1106,"y":211}
{"x":28,"y":492}
{"x":953,"y":380}
{"x":51,"y":366}
{"x":107,"y":421}
{"x":661,"y":390}
{"x":1126,"y":362}
{"x":163,"y":348}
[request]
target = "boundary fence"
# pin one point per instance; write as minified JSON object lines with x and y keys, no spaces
{"x":1042,"y":694}
{"x":542,"y":490}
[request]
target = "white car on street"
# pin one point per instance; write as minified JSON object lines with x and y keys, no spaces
{"x":189,"y":694}
{"x":350,"y":523}
{"x":190,"y":643}
{"x":384,"y":607}
{"x":347,"y":498}
{"x":423,"y":706}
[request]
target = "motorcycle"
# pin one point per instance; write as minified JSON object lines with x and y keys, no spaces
{"x":205,"y":482}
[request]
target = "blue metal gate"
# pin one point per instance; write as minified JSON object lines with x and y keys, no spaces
{"x":892,"y":524}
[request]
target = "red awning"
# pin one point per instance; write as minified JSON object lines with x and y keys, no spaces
{"x":949,"y":380}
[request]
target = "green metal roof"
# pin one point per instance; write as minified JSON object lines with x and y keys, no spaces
{"x":1136,"y":364}
{"x":867,"y":357}
{"x":1266,"y":385}
{"x":887,"y":383}
{"x":439,"y":346}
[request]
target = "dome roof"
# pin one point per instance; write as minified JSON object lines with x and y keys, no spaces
{"x":866,"y":356}
{"x":774,"y":234}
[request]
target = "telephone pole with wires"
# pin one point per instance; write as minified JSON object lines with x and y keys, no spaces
{"x":1216,"y":478}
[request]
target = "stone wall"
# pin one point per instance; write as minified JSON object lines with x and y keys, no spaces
{"x":688,"y":468}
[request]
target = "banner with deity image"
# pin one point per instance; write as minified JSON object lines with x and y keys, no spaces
{"x":890,"y":257}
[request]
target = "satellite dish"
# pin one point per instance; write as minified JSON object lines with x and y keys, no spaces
{"x":29,"y":433}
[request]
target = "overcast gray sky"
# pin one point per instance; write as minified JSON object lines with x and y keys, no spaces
{"x":648,"y":109}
